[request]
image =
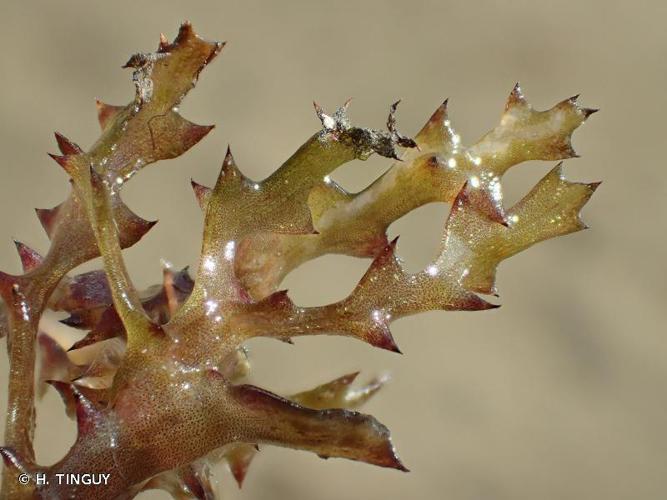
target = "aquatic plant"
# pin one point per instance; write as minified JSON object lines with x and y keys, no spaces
{"x":160,"y":396}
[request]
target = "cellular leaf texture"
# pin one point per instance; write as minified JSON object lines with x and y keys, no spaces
{"x":157,"y":380}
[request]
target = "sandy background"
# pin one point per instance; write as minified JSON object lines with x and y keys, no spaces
{"x":559,"y":394}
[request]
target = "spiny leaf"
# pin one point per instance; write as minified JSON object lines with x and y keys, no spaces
{"x":166,"y":362}
{"x":355,"y":224}
{"x":473,"y":246}
{"x":329,"y":433}
{"x":526,"y":134}
{"x":335,"y":394}
{"x":239,"y":458}
{"x":278,"y":204}
{"x":127,"y":144}
{"x":107,"y":113}
{"x":66,"y":146}
{"x":30,"y":259}
{"x":384,"y":294}
{"x":202,"y":193}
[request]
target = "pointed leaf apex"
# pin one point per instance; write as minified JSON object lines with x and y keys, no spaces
{"x":328,"y":122}
{"x":66,"y":146}
{"x":441,"y":113}
{"x":150,"y":224}
{"x":516,"y":98}
{"x":106,"y":113}
{"x":594,"y":185}
{"x":476,"y":303}
{"x":393,"y":243}
{"x":588,"y":112}
{"x":349,"y":378}
{"x":185,"y":28}
{"x":400,"y":466}
{"x":65,"y":162}
{"x":228,"y":163}
{"x":481,"y":197}
{"x":437,"y":133}
{"x":30,"y":259}
{"x":163,"y":44}
{"x":239,"y":472}
{"x":387,"y":343}
{"x":239,"y":459}
{"x":202,"y":193}
{"x":47,"y":218}
{"x":194,"y":133}
{"x":74,"y":321}
{"x":139,"y":228}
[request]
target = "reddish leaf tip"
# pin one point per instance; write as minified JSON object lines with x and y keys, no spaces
{"x":516,"y":97}
{"x":473,"y":302}
{"x":399,"y":466}
{"x":106,"y":112}
{"x":201,"y":192}
{"x":228,"y":164}
{"x":64,"y":162}
{"x":387,"y":342}
{"x":30,"y":259}
{"x":349,"y":378}
{"x":588,"y":112}
{"x":393,"y":243}
{"x":47,"y":218}
{"x":594,"y":185}
{"x":66,"y":146}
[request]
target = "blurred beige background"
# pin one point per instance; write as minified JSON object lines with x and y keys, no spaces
{"x":559,"y":394}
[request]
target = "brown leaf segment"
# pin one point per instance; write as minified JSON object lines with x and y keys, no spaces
{"x":157,"y":383}
{"x":356,"y":224}
{"x":133,"y":136}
